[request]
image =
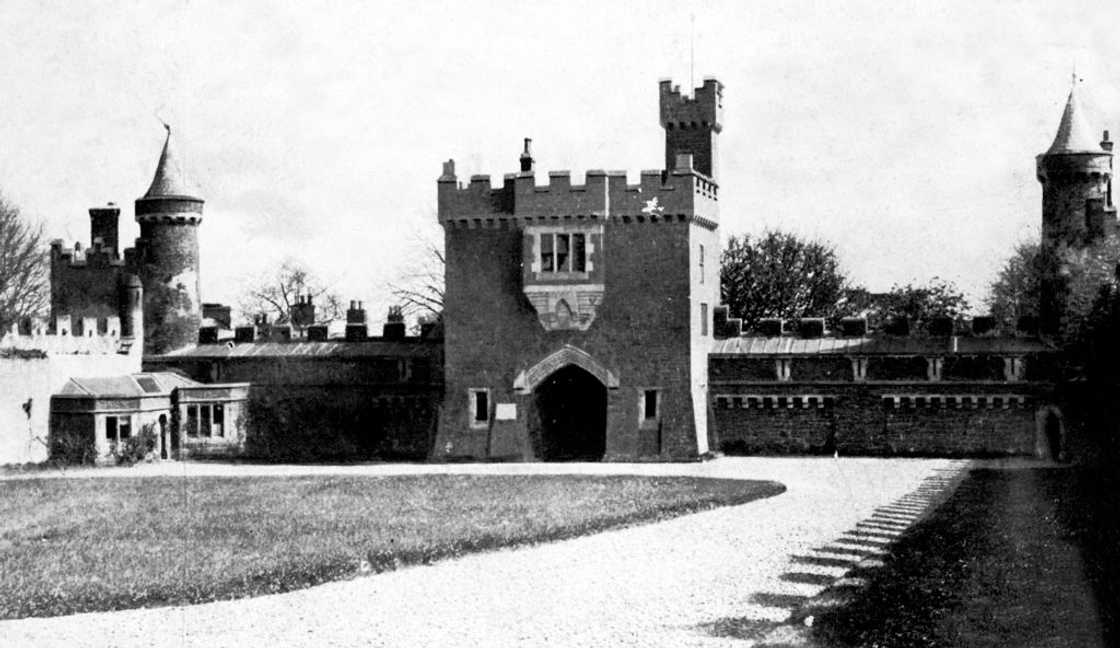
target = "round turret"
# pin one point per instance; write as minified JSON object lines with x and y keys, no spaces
{"x":1076,"y":174}
{"x":168,"y":257}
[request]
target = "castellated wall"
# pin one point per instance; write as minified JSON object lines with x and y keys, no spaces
{"x":973,"y":411}
{"x":85,"y":283}
{"x":35,"y":366}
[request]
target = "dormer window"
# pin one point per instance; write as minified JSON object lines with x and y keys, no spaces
{"x":563,"y":253}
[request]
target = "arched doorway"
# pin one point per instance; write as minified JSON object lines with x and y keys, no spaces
{"x":571,"y":416}
{"x":1050,"y":435}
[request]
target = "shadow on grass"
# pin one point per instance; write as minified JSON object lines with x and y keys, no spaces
{"x":1013,"y":558}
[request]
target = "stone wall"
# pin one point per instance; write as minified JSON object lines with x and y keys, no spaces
{"x":30,"y":376}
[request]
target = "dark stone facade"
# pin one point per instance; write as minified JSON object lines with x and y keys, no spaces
{"x":633,"y":314}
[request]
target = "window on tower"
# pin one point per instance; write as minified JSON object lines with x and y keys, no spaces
{"x":562,"y":252}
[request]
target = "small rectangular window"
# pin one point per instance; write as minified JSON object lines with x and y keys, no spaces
{"x":111,"y":428}
{"x":579,"y":253}
{"x":124,"y":428}
{"x":546,"y":253}
{"x":649,"y":404}
{"x":192,"y":420}
{"x":204,"y":411}
{"x":701,"y":264}
{"x":703,"y":319}
{"x":480,"y":406}
{"x":562,"y":253}
{"x":219,"y":420}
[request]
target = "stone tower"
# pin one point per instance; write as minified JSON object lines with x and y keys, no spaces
{"x":1077,"y":211}
{"x":578,"y":316}
{"x":167,"y":256}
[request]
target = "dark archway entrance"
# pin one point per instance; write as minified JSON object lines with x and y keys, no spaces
{"x":571,"y":416}
{"x":1053,"y":432}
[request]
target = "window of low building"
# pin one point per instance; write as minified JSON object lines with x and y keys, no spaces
{"x":111,"y":428}
{"x":192,"y":420}
{"x":703,"y":319}
{"x":219,"y":420}
{"x":204,"y":417}
{"x":124,"y":427}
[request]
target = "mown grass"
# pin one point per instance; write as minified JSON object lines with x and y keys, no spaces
{"x":89,"y":544}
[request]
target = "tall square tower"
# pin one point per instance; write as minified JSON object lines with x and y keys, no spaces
{"x":578,"y":317}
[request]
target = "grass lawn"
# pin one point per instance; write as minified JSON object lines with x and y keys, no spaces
{"x":1015,"y":558}
{"x":87,"y":544}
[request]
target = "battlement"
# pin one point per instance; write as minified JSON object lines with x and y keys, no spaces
{"x":704,"y":109}
{"x":66,"y":335}
{"x":98,"y":256}
{"x":680,"y":194}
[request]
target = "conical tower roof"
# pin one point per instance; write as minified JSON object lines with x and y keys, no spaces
{"x":170,"y":180}
{"x":1074,"y":133}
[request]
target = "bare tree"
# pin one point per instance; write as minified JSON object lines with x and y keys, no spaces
{"x":420,"y":289}
{"x":23,"y":267}
{"x":276,"y":294}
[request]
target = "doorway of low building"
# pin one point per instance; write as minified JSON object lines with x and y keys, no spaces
{"x":163,"y":440}
{"x":571,"y":416}
{"x":173,"y":433}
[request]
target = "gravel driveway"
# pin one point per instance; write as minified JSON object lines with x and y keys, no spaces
{"x":675,"y":583}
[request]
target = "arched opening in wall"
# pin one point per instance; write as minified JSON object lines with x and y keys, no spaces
{"x":570,"y":416}
{"x":1050,"y":434}
{"x":1053,"y":432}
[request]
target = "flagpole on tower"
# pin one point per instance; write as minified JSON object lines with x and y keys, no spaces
{"x":692,"y":52}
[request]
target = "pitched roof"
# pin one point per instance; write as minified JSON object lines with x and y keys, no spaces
{"x":1074,"y":133}
{"x":877,"y":345}
{"x":330,"y":348}
{"x":171,"y":180}
{"x":143,"y":384}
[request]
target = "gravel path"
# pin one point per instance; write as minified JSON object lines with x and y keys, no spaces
{"x":681,"y":582}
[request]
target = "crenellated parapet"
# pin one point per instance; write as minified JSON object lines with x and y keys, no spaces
{"x":97,"y":256}
{"x":704,"y":109}
{"x":680,"y":195}
{"x":67,"y":335}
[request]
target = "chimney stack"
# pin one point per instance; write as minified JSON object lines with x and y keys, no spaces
{"x":527,"y":157}
{"x":356,"y":323}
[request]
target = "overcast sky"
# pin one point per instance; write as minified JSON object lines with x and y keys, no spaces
{"x":904,"y":134}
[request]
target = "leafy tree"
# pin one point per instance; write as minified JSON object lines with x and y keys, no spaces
{"x":1018,"y":287}
{"x":275,"y":294}
{"x":780,"y":275}
{"x":921,"y":302}
{"x":23,"y":267}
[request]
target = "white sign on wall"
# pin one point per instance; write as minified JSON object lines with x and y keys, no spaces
{"x":505,"y":411}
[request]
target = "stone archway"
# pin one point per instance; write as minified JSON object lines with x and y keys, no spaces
{"x":1050,"y":434}
{"x":529,"y":379}
{"x":568,"y":420}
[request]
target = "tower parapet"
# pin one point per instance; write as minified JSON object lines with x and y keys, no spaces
{"x":681,"y":194}
{"x":692,"y":124}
